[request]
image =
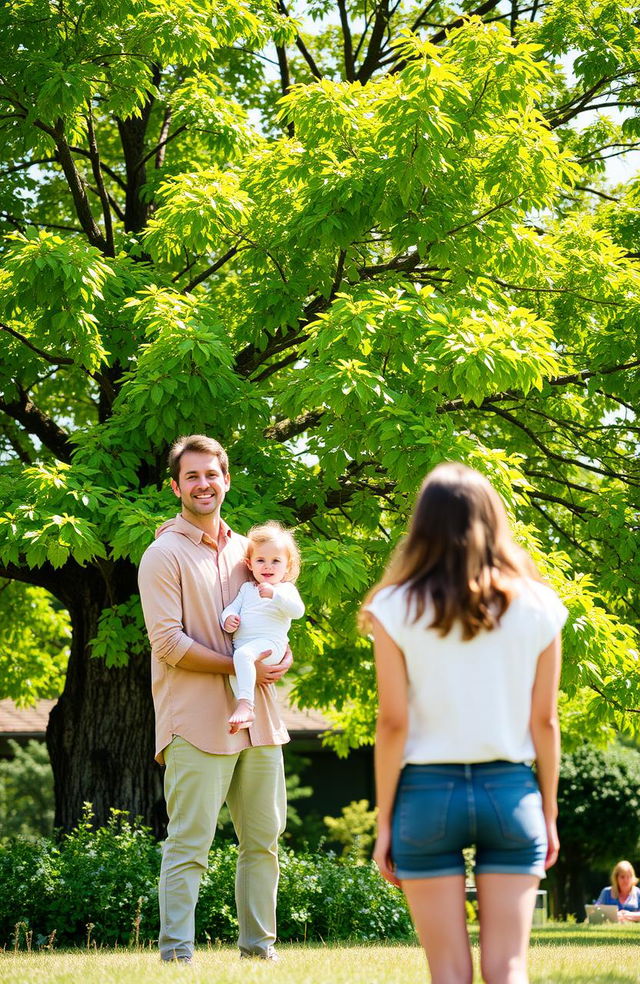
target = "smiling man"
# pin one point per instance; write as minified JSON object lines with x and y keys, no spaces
{"x":191,"y":572}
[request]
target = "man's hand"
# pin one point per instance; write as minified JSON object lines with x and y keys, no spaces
{"x":270,"y":674}
{"x":265,"y":590}
{"x":231,"y":623}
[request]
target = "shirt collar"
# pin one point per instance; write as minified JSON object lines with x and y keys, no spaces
{"x":196,"y":535}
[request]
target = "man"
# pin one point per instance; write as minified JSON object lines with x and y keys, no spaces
{"x":187,"y":577}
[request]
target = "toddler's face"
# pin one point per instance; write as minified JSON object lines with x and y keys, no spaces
{"x":269,"y":562}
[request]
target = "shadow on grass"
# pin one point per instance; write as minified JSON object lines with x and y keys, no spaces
{"x":590,"y":979}
{"x":585,"y":936}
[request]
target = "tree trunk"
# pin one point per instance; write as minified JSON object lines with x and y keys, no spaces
{"x":577,"y":892}
{"x":101,"y":732}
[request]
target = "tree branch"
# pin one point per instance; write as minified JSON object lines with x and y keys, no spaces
{"x":600,"y":194}
{"x":164,"y":134}
{"x":161,"y":146}
{"x":102,"y":193}
{"x":211,"y":270}
{"x":579,"y":103}
{"x":26,"y":165}
{"x":626,"y":147}
{"x":300,"y":45}
{"x":478,"y":218}
{"x":554,"y":455}
{"x":546,"y":290}
{"x":337,"y":498}
{"x":563,"y":533}
{"x":35,"y":422}
{"x":76,"y":185}
{"x":560,"y":480}
{"x":290,"y":427}
{"x":19,"y":223}
{"x":285,"y":81}
{"x":420,"y":19}
{"x":572,"y":378}
{"x":545,"y":497}
{"x":347,"y":42}
{"x":374,"y":49}
{"x":81,"y":152}
{"x":441,"y":35}
{"x":53,"y":360}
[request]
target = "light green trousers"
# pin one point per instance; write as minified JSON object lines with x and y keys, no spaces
{"x":196,"y":785}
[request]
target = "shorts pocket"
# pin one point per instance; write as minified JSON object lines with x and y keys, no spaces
{"x":421,"y":813}
{"x":518,"y":809}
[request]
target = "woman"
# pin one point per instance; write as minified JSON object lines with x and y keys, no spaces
{"x":467,"y":653}
{"x":623,"y":892}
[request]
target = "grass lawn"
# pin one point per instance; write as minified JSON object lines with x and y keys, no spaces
{"x":559,"y":955}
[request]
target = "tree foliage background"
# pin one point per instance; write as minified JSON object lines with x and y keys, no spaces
{"x":598,"y":802}
{"x":349,"y":239}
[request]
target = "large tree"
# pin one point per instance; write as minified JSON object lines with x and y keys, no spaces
{"x":349,"y":240}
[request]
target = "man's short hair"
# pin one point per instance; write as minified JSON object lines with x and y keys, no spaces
{"x":199,"y":443}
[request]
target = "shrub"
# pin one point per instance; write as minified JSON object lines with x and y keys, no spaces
{"x":103,"y":883}
{"x":108,"y":878}
{"x":26,"y":791}
{"x":216,"y":910}
{"x":355,"y":829}
{"x":29,"y":878}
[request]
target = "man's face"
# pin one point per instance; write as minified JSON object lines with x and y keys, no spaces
{"x":202,"y":485}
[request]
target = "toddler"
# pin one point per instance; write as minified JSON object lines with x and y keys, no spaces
{"x":261,"y":613}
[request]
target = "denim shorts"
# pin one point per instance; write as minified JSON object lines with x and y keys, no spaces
{"x":440,"y":809}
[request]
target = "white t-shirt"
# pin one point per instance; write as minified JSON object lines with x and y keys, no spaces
{"x":471,"y":701}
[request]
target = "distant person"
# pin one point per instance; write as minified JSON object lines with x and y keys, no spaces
{"x":623,"y":892}
{"x":260,"y":615}
{"x":192,"y":570}
{"x":467,"y":652}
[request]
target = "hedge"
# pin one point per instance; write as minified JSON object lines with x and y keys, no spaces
{"x":100,"y":884}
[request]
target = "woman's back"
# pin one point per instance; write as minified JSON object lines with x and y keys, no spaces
{"x":470,"y":701}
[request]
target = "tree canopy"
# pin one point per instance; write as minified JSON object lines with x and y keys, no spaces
{"x":349,"y":240}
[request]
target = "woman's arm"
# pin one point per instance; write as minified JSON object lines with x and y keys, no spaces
{"x":391,"y":734}
{"x":545,"y":733}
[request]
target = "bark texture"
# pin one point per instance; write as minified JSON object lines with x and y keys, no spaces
{"x":100,"y":735}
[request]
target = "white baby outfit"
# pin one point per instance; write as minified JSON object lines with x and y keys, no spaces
{"x":264,"y":624}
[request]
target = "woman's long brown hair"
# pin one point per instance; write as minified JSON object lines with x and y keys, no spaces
{"x":458,"y":553}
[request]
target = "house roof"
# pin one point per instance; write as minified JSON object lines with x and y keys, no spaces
{"x":31,"y":722}
{"x":24,"y":722}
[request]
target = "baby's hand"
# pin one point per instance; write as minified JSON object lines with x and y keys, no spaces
{"x":265,"y":590}
{"x":231,"y":623}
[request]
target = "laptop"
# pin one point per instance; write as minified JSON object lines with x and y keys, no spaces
{"x":597,"y":914}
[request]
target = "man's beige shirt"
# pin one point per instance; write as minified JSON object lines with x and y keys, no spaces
{"x":186,"y":580}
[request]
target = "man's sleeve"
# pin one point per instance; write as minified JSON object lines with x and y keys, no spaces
{"x":161,"y":597}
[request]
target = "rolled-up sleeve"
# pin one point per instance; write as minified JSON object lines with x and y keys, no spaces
{"x":161,"y":597}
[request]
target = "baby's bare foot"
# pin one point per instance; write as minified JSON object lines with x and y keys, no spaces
{"x":242,"y":717}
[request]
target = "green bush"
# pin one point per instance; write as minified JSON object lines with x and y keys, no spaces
{"x":108,"y":878}
{"x":102,"y":883}
{"x":29,"y":880}
{"x":105,"y":878}
{"x":26,"y":791}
